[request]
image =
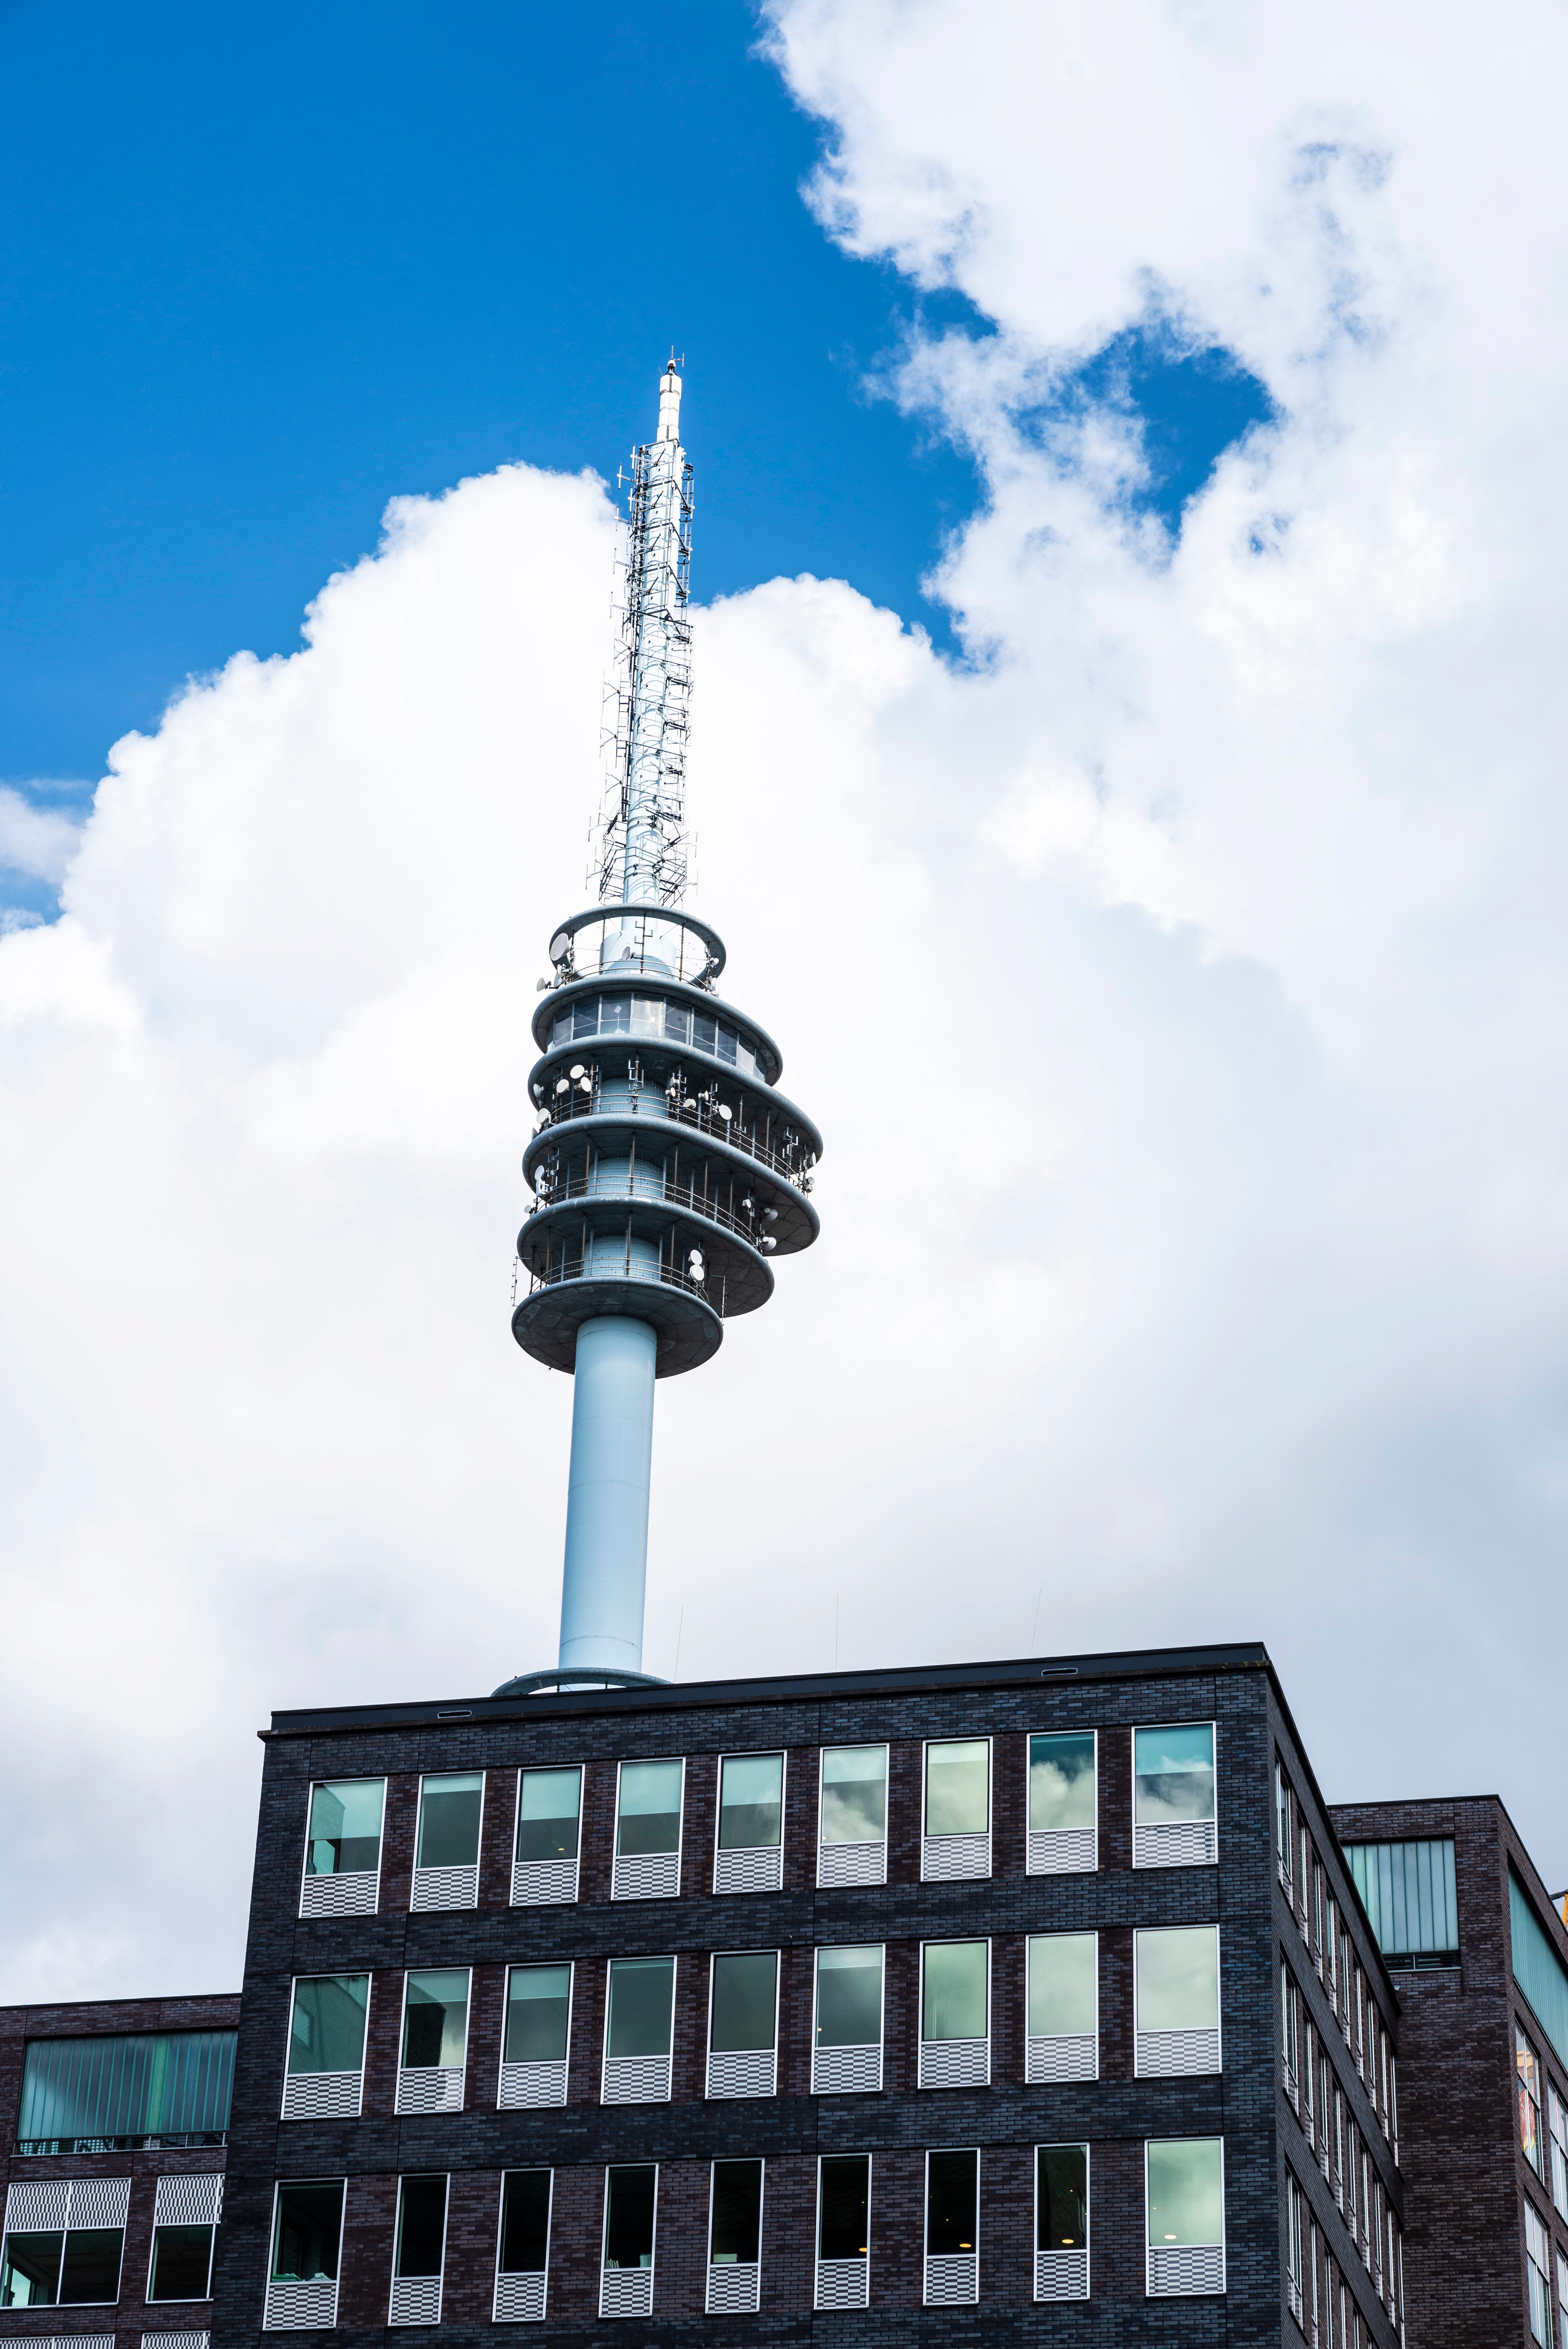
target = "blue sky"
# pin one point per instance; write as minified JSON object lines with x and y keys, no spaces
{"x":265,"y":269}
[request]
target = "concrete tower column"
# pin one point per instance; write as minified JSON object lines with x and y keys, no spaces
{"x":607,"y":1497}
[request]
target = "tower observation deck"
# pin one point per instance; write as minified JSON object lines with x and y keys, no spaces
{"x":669,"y":1173}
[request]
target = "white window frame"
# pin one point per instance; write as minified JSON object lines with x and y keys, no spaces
{"x":433,"y":1901}
{"x":744,"y":2298}
{"x":524,"y":2316}
{"x":520,"y":2102}
{"x":817,"y":2261}
{"x":1041,"y":1860}
{"x":66,"y":2188}
{"x":607,"y":2315}
{"x":551,"y":1898}
{"x":352,"y":1903}
{"x":969,"y":2072}
{"x":1203,"y":2291}
{"x":1557,"y":2146}
{"x":440,"y":2278}
{"x":1155,"y":2070}
{"x":1538,"y":2277}
{"x":946,"y":1859}
{"x":327,"y":2105}
{"x":953,"y":2262}
{"x":772,"y":2088}
{"x":640,"y":1880}
{"x":1062,"y":2272}
{"x":870,"y":2087}
{"x":1057,"y":2056}
{"x":437,"y":2079}
{"x":1205,"y":1846}
{"x":870,"y":1870}
{"x":633,"y":1957}
{"x":1294,"y":2237}
{"x":309,"y":2321}
{"x":752,"y":1852}
{"x":196,"y":2300}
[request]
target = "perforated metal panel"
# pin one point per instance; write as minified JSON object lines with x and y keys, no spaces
{"x":352,"y":1894}
{"x":1061,"y":2275}
{"x":646,"y":1875}
{"x":851,"y":1863}
{"x":430,"y":2088}
{"x":1189,"y":1842}
{"x":844,"y":2283}
{"x":627,"y":2291}
{"x":415,"y":2300}
{"x":301,"y":2307}
{"x":636,"y":2080}
{"x":954,"y":2064}
{"x":99,"y":2201}
{"x":524,"y":2086}
{"x":742,"y":2072}
{"x":38,"y":2206}
{"x":1165,"y":2055}
{"x":1182,"y":2270}
{"x":323,"y":2095}
{"x":946,"y":1857}
{"x":749,"y":1870}
{"x":445,"y":1888}
{"x":951,"y":2279}
{"x":1061,"y":2056}
{"x":543,"y":1883}
{"x":193,"y":2201}
{"x":519,"y":2299}
{"x":1062,"y":1851}
{"x":846,"y":2071}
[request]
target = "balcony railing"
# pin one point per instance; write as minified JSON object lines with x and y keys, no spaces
{"x":662,"y":1276}
{"x":705,"y":1117}
{"x":649,"y":1185}
{"x":167,"y":2140}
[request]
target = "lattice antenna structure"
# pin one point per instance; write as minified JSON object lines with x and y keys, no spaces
{"x":640,"y":842}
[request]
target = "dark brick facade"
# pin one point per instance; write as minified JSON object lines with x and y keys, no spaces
{"x":1467,"y":2179}
{"x":133,"y":2313}
{"x":1244,"y":2103}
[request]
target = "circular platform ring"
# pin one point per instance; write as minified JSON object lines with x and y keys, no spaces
{"x":562,"y":1680}
{"x":565,"y":934}
{"x":546,"y":1322}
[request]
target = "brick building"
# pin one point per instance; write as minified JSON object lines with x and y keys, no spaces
{"x":1479,"y":1952}
{"x":114,"y":2120}
{"x":977,"y":2000}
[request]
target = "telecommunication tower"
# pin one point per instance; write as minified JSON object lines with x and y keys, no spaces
{"x":668,"y":1172}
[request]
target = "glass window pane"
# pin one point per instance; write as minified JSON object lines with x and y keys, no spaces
{"x":549,"y":1805}
{"x":650,"y":1807}
{"x":421,"y":2226}
{"x":958,"y":1787}
{"x":750,"y":1801}
{"x":449,"y":1820}
{"x":524,"y":2221}
{"x":177,"y":2084}
{"x":737,"y":2233}
{"x":951,"y":2194}
{"x":182,"y":2263}
{"x":844,"y":2210}
{"x":538,"y":2000}
{"x":849,"y":1997}
{"x":746,"y":1059}
{"x":954,"y":1985}
{"x":328,"y":2033}
{"x":561,"y":1032}
{"x":703,"y":1031}
{"x":1186,"y":2191}
{"x":1061,"y":2198}
{"x":642,"y":1992}
{"x":744,"y":2000}
{"x":615,"y":1015}
{"x":727,"y":1044}
{"x":1061,"y":1781}
{"x":346,"y":1826}
{"x":307,"y":2232}
{"x":629,"y":2217}
{"x":585,"y":1017}
{"x":647,"y":1015}
{"x":90,"y":2268}
{"x":436,"y":2023}
{"x":854,"y":1793}
{"x":1178,"y":1978}
{"x":1174,"y":1773}
{"x":677,"y":1023}
{"x":31,"y":2276}
{"x":1062,"y":2001}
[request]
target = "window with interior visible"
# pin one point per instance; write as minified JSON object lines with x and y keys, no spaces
{"x":1184,"y":2180}
{"x":850,"y":1997}
{"x":648,"y":1808}
{"x":308,"y":2230}
{"x":186,"y":2211}
{"x":743,"y":2004}
{"x":1061,"y":2198}
{"x":1408,"y":1891}
{"x":538,"y":2011}
{"x":750,"y":1801}
{"x":1538,"y":2276}
{"x":524,"y":2246}
{"x":345,"y":1831}
{"x":641,"y":2005}
{"x":1527,"y":2067}
{"x":843,"y":2206}
{"x":449,"y":1813}
{"x":1557,"y":2125}
{"x":734,"y":2214}
{"x":854,"y":1794}
{"x":326,"y":2028}
{"x":630,"y":2193}
{"x":549,"y":1814}
{"x":954,"y":1990}
{"x":119,"y":2092}
{"x":421,"y":2227}
{"x":1173,"y":1810}
{"x":74,"y":2261}
{"x":436,"y":2020}
{"x":1281,"y":1823}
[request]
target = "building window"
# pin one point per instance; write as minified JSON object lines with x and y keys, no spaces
{"x":1282,"y":1826}
{"x":955,"y":2014}
{"x":115,"y":2093}
{"x":1562,"y":2295}
{"x":648,"y":1865}
{"x":852,"y":1837}
{"x":847,"y":2037}
{"x":1064,"y":1813}
{"x":1293,"y":2251}
{"x":447,"y":1858}
{"x":1557,"y":2116}
{"x":955,"y":1826}
{"x":743,"y":2024}
{"x":631,"y":2205}
{"x":1408,"y":1890}
{"x":185,"y":2214}
{"x":750,"y":1856}
{"x":734,"y":2239}
{"x":1290,"y":2033}
{"x":1186,"y":2200}
{"x":1331,"y":1951}
{"x":1063,"y":1995}
{"x":307,"y":2234}
{"x":637,"y":2034}
{"x":1527,"y":2064}
{"x":326,"y":2077}
{"x":1173,"y":1815}
{"x":533,"y":2053}
{"x":523,"y":2250}
{"x":65,"y":2239}
{"x":844,"y":2231}
{"x":1538,"y":2276}
{"x":1176,"y":1999}
{"x":421,"y":2251}
{"x":1537,"y":1968}
{"x":435,"y":2041}
{"x":952,"y":2241}
{"x":343,"y":1849}
{"x":549,"y":1837}
{"x":1061,"y":2222}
